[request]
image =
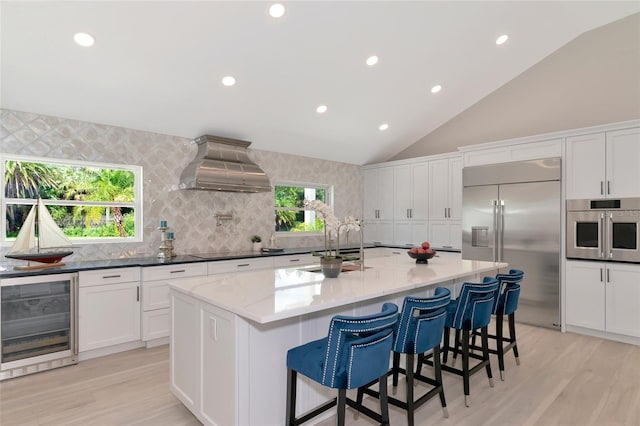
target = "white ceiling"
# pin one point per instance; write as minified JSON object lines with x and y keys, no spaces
{"x":157,"y":66}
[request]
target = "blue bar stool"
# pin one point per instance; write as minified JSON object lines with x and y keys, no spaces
{"x":420,"y":330}
{"x":506,"y":303}
{"x":355,"y":352}
{"x":470,"y":311}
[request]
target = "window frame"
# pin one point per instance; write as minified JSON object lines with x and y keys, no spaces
{"x":328,"y":190}
{"x":137,"y":205}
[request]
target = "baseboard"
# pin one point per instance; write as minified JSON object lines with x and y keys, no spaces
{"x":604,"y":335}
{"x":95,"y":353}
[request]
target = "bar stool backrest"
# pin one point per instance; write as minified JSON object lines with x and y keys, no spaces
{"x":422,"y":322}
{"x":507,"y":301}
{"x":358,"y":348}
{"x":475,"y":304}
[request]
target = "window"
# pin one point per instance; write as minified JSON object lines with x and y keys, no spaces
{"x":90,"y":202}
{"x":291,"y":217}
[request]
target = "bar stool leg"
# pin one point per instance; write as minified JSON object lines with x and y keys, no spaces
{"x":500,"y":344}
{"x":409,"y":372}
{"x":465,"y":366}
{"x":342,"y":398}
{"x":445,"y":344}
{"x":384,"y":402}
{"x":512,"y":335}
{"x":437,"y":372}
{"x":396,"y":371}
{"x":291,"y":396}
{"x":485,"y":353}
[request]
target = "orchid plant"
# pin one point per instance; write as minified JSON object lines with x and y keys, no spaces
{"x":333,"y":227}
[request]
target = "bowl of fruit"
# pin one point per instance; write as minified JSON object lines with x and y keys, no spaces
{"x":423,"y":253}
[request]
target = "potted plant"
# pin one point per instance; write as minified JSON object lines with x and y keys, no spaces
{"x":257,"y":242}
{"x":331,"y":260}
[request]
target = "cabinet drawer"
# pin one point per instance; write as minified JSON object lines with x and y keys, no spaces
{"x":108,"y":276}
{"x":155,"y":295}
{"x":156,"y":324}
{"x":237,"y":265}
{"x":295,"y":260}
{"x":170,"y":272}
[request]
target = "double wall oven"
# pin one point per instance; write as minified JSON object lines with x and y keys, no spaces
{"x":604,"y":229}
{"x":38,"y":323}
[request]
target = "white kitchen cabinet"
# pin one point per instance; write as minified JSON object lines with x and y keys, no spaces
{"x":238,"y":265}
{"x":410,"y":233}
{"x":445,"y":189}
{"x":603,"y":296}
{"x":155,"y":295}
{"x":378,"y":232}
{"x":293,"y":260}
{"x":603,"y":165}
{"x":378,"y":193}
{"x":411,"y":191}
{"x":445,"y":234}
{"x":108,"y":308}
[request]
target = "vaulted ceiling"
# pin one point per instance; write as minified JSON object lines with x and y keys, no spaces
{"x":158,"y":66}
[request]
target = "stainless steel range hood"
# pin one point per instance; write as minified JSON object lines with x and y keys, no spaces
{"x":222,"y":164}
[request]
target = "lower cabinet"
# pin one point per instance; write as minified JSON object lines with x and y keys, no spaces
{"x":155,"y":295}
{"x":603,"y":296}
{"x":378,"y":232}
{"x":444,"y":234}
{"x":108,"y":308}
{"x":410,"y":233}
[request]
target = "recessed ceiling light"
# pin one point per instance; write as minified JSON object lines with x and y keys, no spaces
{"x":276,"y":10}
{"x":502,"y":39}
{"x":436,"y":88}
{"x":84,"y":39}
{"x":383,"y":127}
{"x":372,"y":60}
{"x":228,"y":80}
{"x":321,"y":109}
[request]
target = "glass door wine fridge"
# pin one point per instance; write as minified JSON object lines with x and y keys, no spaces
{"x":38,"y":323}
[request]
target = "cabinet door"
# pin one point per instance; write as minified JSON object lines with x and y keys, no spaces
{"x":623,"y":158}
{"x":440,"y":234}
{"x":402,"y":192}
{"x":585,"y":294}
{"x":409,"y":233}
{"x":455,"y":189}
{"x":184,"y":374}
{"x":379,"y":232}
{"x":108,"y":315}
{"x":623,"y":299}
{"x":438,"y":189}
{"x":370,"y":177}
{"x":385,"y":193}
{"x":585,"y":166}
{"x":420,"y":191}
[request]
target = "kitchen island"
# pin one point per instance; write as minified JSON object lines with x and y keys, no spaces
{"x":230,"y":332}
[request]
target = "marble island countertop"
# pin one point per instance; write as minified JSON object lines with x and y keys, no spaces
{"x":269,"y":295}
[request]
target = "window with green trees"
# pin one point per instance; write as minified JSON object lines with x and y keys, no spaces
{"x":88,"y":201}
{"x":289,"y":206}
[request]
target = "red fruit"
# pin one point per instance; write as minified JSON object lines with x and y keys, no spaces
{"x":421,"y":251}
{"x":429,"y":251}
{"x":426,"y":245}
{"x":414,"y":249}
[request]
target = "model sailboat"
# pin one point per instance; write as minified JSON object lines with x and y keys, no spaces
{"x":28,"y":247}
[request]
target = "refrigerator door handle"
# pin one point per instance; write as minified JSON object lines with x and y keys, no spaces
{"x":601,"y":236}
{"x":501,"y":223}
{"x":494,"y":204}
{"x":610,"y":236}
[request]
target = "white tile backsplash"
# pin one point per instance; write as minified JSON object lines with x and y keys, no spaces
{"x":163,"y":157}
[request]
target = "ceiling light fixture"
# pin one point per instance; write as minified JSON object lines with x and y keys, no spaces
{"x":502,"y":39}
{"x":436,"y":88}
{"x":276,"y":10}
{"x":84,"y":39}
{"x":321,"y":109}
{"x":383,"y":127}
{"x":228,"y":80}
{"x":372,"y":60}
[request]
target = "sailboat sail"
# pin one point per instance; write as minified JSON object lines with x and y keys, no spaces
{"x":26,"y":238}
{"x":49,"y":234}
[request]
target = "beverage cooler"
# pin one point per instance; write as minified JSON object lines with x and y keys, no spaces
{"x":38,"y":323}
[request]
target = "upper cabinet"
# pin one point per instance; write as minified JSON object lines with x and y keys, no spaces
{"x":445,"y":189}
{"x":378,"y":193}
{"x":603,"y":165}
{"x":411,"y":196}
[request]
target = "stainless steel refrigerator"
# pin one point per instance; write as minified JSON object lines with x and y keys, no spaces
{"x":511,"y":213}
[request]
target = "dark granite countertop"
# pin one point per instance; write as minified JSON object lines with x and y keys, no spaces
{"x":154,"y":261}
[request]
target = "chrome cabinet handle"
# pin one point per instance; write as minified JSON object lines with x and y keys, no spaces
{"x":408,"y":216}
{"x":104,"y":277}
{"x":178,"y":271}
{"x":494,"y":205}
{"x":138,"y":294}
{"x":294,"y":260}
{"x":608,"y":276}
{"x":601,"y":187}
{"x":242,"y":264}
{"x":608,"y":187}
{"x":600,"y":274}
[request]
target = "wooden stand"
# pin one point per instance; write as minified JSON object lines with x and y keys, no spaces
{"x":31,"y":267}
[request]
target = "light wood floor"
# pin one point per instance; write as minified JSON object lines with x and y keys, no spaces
{"x":563,"y":379}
